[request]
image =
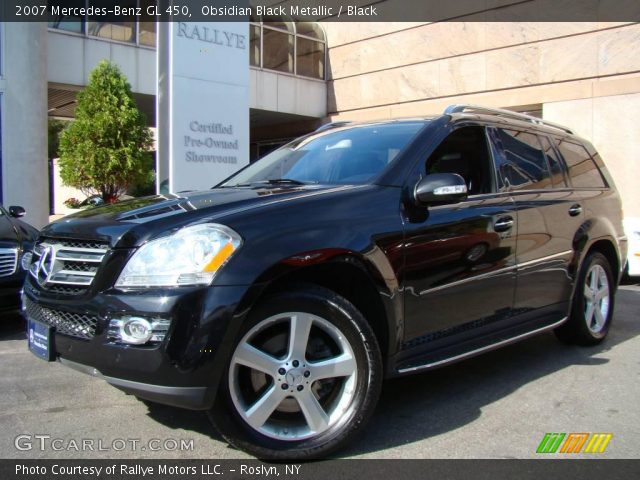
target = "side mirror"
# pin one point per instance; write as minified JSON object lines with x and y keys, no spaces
{"x":16,"y":211}
{"x":440,"y":188}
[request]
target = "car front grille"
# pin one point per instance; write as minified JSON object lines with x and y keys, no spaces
{"x":8,"y":261}
{"x":67,"y":323}
{"x":66,"y":267}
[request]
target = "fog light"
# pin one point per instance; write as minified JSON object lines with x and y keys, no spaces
{"x":25,"y":262}
{"x":138,"y":330}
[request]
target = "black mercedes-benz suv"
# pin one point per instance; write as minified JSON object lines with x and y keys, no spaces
{"x":280,"y":299}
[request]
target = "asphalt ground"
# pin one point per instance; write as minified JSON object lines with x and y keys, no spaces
{"x":498,"y":405}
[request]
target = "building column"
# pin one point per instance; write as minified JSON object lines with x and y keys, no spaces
{"x":25,"y":175}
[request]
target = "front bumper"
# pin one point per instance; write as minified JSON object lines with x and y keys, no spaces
{"x":186,"y":397}
{"x":184,"y":370}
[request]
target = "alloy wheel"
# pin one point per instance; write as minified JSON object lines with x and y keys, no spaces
{"x":596,"y":298}
{"x":293,"y":376}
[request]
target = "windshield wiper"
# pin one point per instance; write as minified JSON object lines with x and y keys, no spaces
{"x":273,"y":181}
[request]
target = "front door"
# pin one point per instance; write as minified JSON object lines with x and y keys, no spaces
{"x":459,"y":275}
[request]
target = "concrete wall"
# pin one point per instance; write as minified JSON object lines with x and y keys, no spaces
{"x":276,"y":92}
{"x":410,"y":69}
{"x":72,"y":57}
{"x":613,"y":125}
{"x":24,"y":120}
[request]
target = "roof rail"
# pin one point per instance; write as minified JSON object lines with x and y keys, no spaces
{"x":327,"y":126}
{"x":464,"y":108}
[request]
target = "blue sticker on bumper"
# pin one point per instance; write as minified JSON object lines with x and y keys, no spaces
{"x":40,"y":340}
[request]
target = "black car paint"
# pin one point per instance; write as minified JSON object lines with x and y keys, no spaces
{"x":289,"y":228}
{"x":14,"y":233}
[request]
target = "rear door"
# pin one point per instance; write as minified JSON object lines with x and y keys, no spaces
{"x":548,"y":216}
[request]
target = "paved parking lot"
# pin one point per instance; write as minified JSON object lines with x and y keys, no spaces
{"x":496,"y":406}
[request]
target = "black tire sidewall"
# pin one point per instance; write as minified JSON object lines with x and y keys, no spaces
{"x":341,"y":313}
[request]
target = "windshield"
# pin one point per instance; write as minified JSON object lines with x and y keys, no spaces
{"x":349,"y":155}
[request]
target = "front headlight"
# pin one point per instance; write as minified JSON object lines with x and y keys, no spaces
{"x":25,"y":261}
{"x":191,"y":256}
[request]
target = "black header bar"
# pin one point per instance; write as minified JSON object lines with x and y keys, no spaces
{"x":322,"y":10}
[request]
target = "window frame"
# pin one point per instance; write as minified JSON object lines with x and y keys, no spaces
{"x":420,"y":167}
{"x":293,"y":32}
{"x":85,"y":32}
{"x":563,"y":166}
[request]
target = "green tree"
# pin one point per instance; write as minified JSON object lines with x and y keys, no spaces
{"x":106,"y":149}
{"x":54,"y":129}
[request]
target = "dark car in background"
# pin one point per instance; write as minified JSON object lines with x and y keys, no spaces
{"x":16,"y":238}
{"x":280,"y":300}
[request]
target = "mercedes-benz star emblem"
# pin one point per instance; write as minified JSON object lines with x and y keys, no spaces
{"x":46,"y":264}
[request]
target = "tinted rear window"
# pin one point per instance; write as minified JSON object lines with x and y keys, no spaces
{"x":582,"y":169}
{"x":521,"y":162}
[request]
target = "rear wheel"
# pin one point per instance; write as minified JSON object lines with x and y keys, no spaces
{"x":303,"y":379}
{"x":592,"y":307}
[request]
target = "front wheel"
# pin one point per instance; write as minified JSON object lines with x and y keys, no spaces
{"x":303,"y":379}
{"x":592,"y":307}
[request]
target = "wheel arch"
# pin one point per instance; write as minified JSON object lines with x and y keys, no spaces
{"x":606,"y":247}
{"x":363,"y":282}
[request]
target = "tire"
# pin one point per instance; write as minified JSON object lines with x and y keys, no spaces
{"x":591,"y":308}
{"x":290,"y":403}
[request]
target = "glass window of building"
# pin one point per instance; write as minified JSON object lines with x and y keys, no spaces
{"x":141,"y":30}
{"x":310,"y":50}
{"x":311,"y":30}
{"x":287,"y":46}
{"x":273,"y":22}
{"x":278,"y":46}
{"x":67,"y":23}
{"x":309,"y":58}
{"x":147,"y":28}
{"x":119,"y":31}
{"x":254,"y":45}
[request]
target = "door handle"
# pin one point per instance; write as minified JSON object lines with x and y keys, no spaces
{"x":575,"y":210}
{"x":503,"y":224}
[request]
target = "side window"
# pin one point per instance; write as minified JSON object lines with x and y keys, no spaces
{"x":520,"y":160}
{"x":557,"y":170}
{"x":582,"y":169}
{"x":466,"y":153}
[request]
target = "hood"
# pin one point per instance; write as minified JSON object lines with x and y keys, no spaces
{"x":131,"y":223}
